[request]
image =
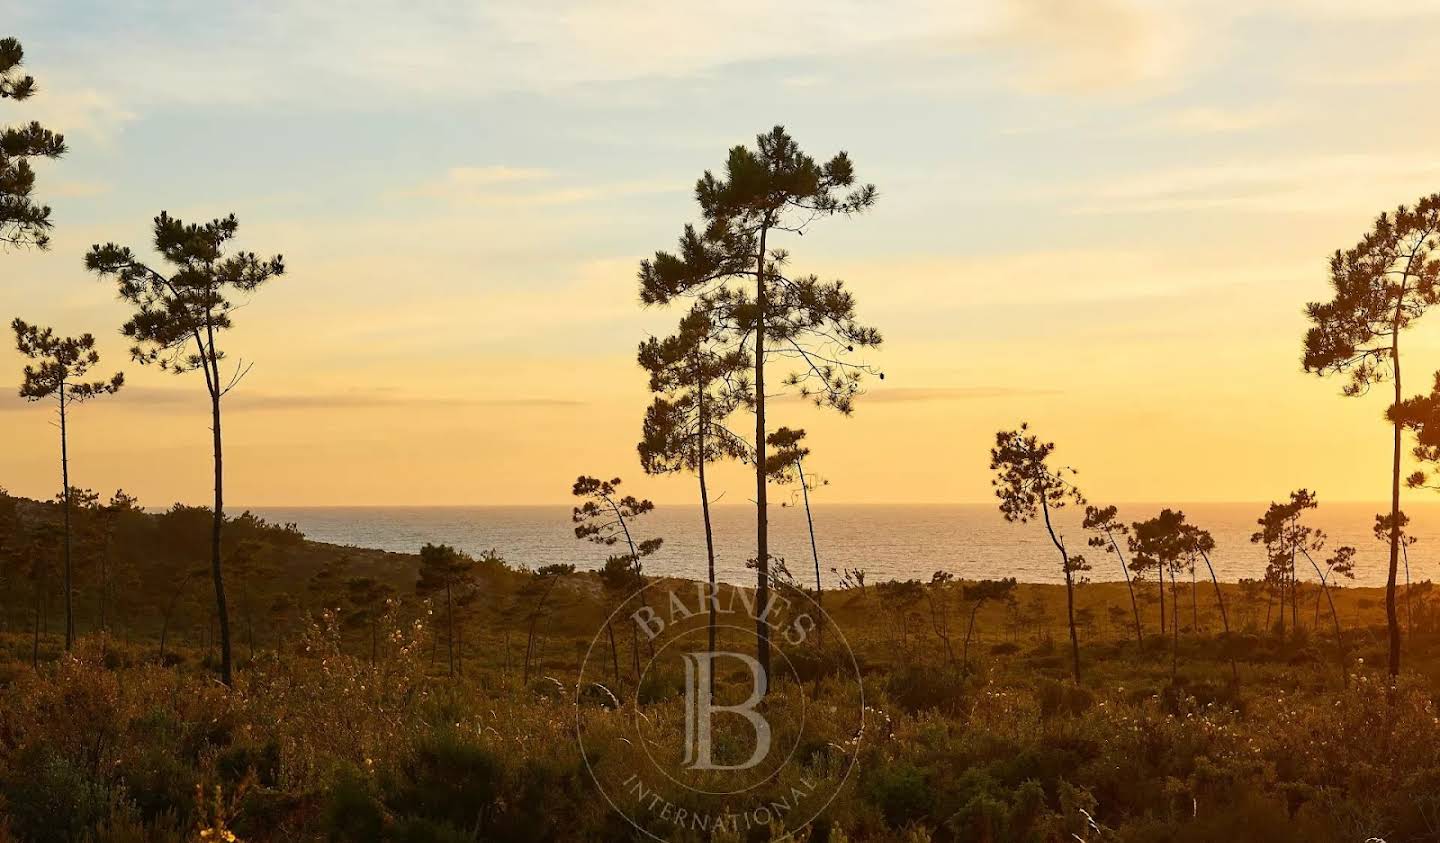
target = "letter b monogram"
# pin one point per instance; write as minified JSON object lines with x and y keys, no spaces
{"x":700,"y":709}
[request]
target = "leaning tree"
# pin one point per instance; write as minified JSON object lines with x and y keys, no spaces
{"x":698,"y":384}
{"x":1156,"y":543}
{"x":23,"y":222}
{"x":448,"y":572}
{"x":605,"y":517}
{"x":732,"y":271}
{"x":1381,"y":286}
{"x":179,"y":316}
{"x":59,"y":370}
{"x":1028,"y":487}
{"x":787,"y":465}
{"x":1106,"y":525}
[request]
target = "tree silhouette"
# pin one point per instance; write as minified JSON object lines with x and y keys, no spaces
{"x":59,"y":370}
{"x":1155,"y":543}
{"x":40,"y":549}
{"x":979,"y":593}
{"x":698,"y":385}
{"x":787,"y":465}
{"x":605,"y":518}
{"x":546,"y":576}
{"x":22,"y":221}
{"x":370,"y":599}
{"x":1275,"y":536}
{"x":120,"y":507}
{"x":1382,"y":533}
{"x":1199,"y":542}
{"x":177,"y":322}
{"x":1104,"y":522}
{"x":1382,"y":285}
{"x":1028,"y":488}
{"x":445,"y":570}
{"x":733,"y":272}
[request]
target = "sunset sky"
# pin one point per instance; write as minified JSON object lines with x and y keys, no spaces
{"x":1100,"y":217}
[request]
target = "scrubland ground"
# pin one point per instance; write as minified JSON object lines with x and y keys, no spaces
{"x":340,"y":732}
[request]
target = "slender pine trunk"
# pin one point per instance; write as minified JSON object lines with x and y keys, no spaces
{"x":1391,"y":620}
{"x":1069,"y":588}
{"x":65,"y":500}
{"x":1409,"y":611}
{"x":762,"y":516}
{"x":1129,"y":586}
{"x":969,"y":629}
{"x":814,"y":551}
{"x":222,"y":611}
{"x":1335,"y":616}
{"x":714,"y":598}
{"x":1224,"y":617}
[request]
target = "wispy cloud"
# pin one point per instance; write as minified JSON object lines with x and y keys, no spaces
{"x":367,"y":399}
{"x":951,"y":393}
{"x":1216,"y":120}
{"x":513,"y":186}
{"x":1283,"y":184}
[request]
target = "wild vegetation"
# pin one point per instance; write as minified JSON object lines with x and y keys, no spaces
{"x":338,"y":720}
{"x":374,"y":708}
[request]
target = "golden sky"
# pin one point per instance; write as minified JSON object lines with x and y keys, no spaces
{"x":1100,"y":217}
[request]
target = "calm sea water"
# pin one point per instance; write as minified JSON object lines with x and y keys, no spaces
{"x":887,"y":541}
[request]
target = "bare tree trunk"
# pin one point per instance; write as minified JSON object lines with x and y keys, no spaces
{"x":1130,"y":586}
{"x":815,"y":554}
{"x":65,"y":500}
{"x":614,"y":654}
{"x":1224,"y":617}
{"x":762,"y":516}
{"x":1391,"y":620}
{"x":1409,"y":611}
{"x":1335,"y":616}
{"x":1194,"y":604}
{"x":221,"y":610}
{"x":969,"y":630}
{"x":1069,"y":588}
{"x":1160,"y":570}
{"x":714,"y":598}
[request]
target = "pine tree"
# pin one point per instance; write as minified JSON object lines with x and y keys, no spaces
{"x":1382,"y":285}
{"x":61,"y":364}
{"x":736,"y":275}
{"x":1028,"y":487}
{"x":177,"y":323}
{"x":23,"y":222}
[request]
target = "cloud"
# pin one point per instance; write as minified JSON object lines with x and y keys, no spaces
{"x":1210,"y":120}
{"x":906,"y":394}
{"x":79,"y":189}
{"x":1080,"y":47}
{"x":511,"y":186}
{"x":77,"y":112}
{"x":1285,"y":184}
{"x":360,"y":399}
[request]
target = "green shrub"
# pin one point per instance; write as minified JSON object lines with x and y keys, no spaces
{"x":350,"y":812}
{"x":51,"y":800}
{"x":900,"y":790}
{"x":447,"y":779}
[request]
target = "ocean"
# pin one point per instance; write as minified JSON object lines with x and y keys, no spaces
{"x":886,"y":541}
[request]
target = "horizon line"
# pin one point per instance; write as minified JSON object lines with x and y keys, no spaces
{"x":1120,"y":503}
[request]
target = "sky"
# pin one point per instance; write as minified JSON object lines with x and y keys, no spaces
{"x":1103,"y":217}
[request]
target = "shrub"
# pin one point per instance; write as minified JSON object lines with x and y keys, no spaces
{"x":51,"y":800}
{"x":900,"y":790}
